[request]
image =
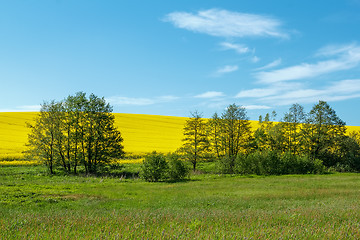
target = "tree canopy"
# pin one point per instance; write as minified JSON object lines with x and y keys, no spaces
{"x":78,"y":130}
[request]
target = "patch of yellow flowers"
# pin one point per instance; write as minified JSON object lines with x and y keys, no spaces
{"x":19,"y":163}
{"x":141,"y":133}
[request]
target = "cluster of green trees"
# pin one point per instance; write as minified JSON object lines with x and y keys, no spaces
{"x":77,"y":131}
{"x":300,"y":143}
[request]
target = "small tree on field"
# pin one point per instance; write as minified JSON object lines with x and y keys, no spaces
{"x":323,"y":133}
{"x":196,"y":143}
{"x":292,"y":128}
{"x":234,"y":134}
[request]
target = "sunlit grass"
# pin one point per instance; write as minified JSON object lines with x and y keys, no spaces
{"x":35,"y":205}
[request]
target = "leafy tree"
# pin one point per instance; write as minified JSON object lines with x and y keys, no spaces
{"x":214,"y":134}
{"x":349,"y":154}
{"x":322,"y":133}
{"x":234,"y":135}
{"x":292,"y":123}
{"x":77,"y":130}
{"x":42,"y":138}
{"x":196,"y":143}
{"x":265,"y":135}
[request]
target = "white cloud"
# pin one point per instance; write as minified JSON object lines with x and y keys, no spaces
{"x":167,"y":98}
{"x":273,"y":64}
{"x":341,"y":90}
{"x":223,"y":23}
{"x":239,"y":48}
{"x":256,"y":107}
{"x":255,"y":59}
{"x":257,"y":93}
{"x":130,"y":101}
{"x":25,"y":108}
{"x":210,"y":94}
{"x":227,"y":69}
{"x":332,"y":50}
{"x":117,"y":100}
{"x":347,"y":57}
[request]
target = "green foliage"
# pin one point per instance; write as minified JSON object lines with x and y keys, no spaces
{"x":230,"y":135}
{"x":154,"y":167}
{"x":73,"y":132}
{"x":323,"y":132}
{"x":196,"y":143}
{"x":273,"y":163}
{"x":226,"y":165}
{"x":177,"y":168}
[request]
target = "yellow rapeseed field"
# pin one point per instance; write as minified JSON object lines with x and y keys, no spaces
{"x":141,"y":133}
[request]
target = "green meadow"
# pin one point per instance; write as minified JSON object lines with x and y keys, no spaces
{"x":35,"y":205}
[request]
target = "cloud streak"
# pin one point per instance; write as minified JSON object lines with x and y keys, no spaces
{"x":227,"y":69}
{"x":337,"y":91}
{"x":256,"y":107}
{"x":273,"y":64}
{"x":346,"y":57}
{"x":239,"y":48}
{"x":25,"y":108}
{"x":287,"y":86}
{"x":223,"y":23}
{"x":118,"y":100}
{"x":210,"y":94}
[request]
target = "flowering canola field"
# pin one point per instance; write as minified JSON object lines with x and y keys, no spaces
{"x":142,"y":133}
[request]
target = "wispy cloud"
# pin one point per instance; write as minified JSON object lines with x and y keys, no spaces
{"x":239,"y":48}
{"x":345,"y":57}
{"x":210,"y":94}
{"x":118,"y":100}
{"x":255,"y":59}
{"x":223,"y":23}
{"x":25,"y":108}
{"x":286,"y":86}
{"x":256,"y":107}
{"x":273,"y":64}
{"x":257,"y":93}
{"x":337,"y":91}
{"x":227,"y":69}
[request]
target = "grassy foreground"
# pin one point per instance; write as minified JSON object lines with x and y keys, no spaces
{"x":34,"y":205}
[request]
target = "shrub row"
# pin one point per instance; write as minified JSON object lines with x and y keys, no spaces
{"x":270,"y":163}
{"x":158,"y":167}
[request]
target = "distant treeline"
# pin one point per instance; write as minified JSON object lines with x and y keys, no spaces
{"x":300,"y":143}
{"x":79,"y":131}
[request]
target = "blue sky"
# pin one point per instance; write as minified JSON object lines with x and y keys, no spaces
{"x":173,"y":57}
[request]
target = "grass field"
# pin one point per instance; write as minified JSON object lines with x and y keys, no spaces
{"x":34,"y":205}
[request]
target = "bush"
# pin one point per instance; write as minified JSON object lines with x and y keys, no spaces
{"x":177,"y":168}
{"x":295,"y":164}
{"x":273,"y":163}
{"x":154,"y":167}
{"x":227,"y":164}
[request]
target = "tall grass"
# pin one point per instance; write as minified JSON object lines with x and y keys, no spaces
{"x":34,"y":205}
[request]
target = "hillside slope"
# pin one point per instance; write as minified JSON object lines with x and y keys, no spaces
{"x":142,"y":133}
